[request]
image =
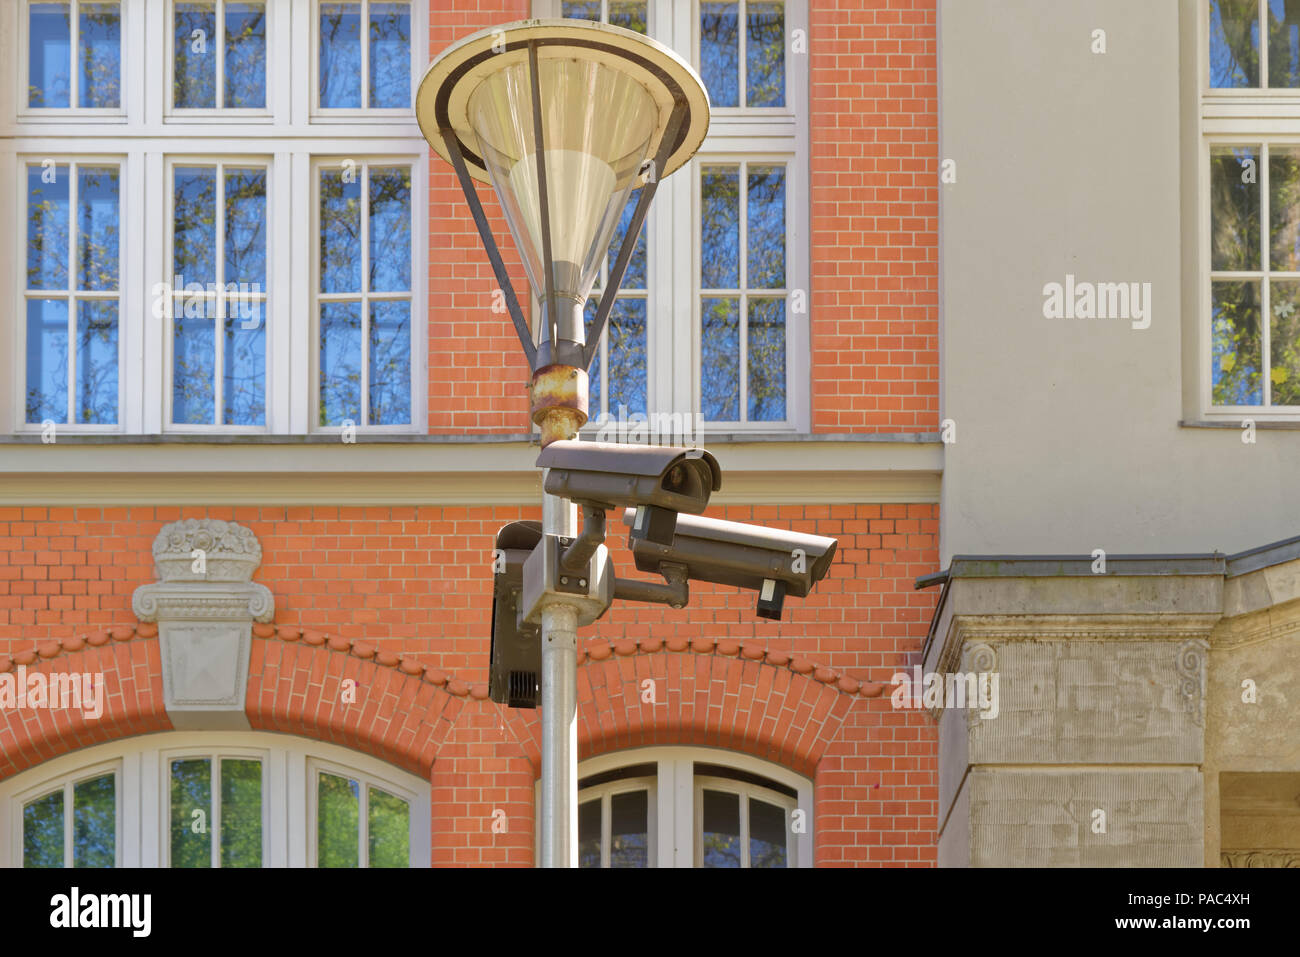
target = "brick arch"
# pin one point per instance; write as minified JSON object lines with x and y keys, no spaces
{"x":716,"y":694}
{"x":402,"y":711}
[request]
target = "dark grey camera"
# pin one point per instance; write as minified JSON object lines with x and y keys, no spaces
{"x":515,"y":660}
{"x":770,"y":561}
{"x":658,"y":481}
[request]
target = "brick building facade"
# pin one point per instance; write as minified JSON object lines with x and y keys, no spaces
{"x":376,"y":551}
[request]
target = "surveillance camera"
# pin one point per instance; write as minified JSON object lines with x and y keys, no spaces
{"x":770,"y":561}
{"x":659,"y":481}
{"x":515,"y":660}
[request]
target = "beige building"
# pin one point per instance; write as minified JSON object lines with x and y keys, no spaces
{"x":1121,"y":393}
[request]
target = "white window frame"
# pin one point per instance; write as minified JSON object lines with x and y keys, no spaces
{"x":316,"y":767}
{"x":143,"y":796}
{"x":753,"y":134}
{"x":674,"y":814}
{"x":18,"y":389}
{"x":288,"y":140}
{"x":220,"y":112}
{"x":1249,"y":117}
{"x":72,"y":112}
{"x":417,"y":294}
{"x":219,"y":163}
{"x":213,"y":755}
{"x":65,"y":783}
{"x":745,"y":791}
{"x":348,"y":114}
{"x":604,"y":793}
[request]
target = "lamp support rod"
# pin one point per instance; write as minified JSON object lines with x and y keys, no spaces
{"x":543,"y":197}
{"x":489,"y":244}
{"x":610,"y":291}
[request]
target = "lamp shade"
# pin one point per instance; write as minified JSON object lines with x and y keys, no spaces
{"x":605,"y":98}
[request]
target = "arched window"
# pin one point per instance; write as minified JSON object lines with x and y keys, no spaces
{"x":691,"y":807}
{"x":190,"y":799}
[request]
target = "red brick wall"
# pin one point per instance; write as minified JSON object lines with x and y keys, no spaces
{"x":875,"y":216}
{"x":875,"y":235}
{"x":415,"y":582}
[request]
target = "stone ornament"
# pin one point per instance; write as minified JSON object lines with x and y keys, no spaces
{"x":205,"y":606}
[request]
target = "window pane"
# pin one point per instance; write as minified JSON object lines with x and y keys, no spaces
{"x":628,"y":14}
{"x":1283,"y":43}
{"x":720,"y":365}
{"x":243,"y":385}
{"x":390,"y":830}
{"x":1235,"y":342}
{"x":629,"y":831}
{"x":338,"y":815}
{"x":43,"y":831}
{"x":97,"y":227}
{"x":390,"y":363}
{"x":765,"y":227}
{"x":1284,"y":297}
{"x":194,"y":32}
{"x":594,"y":390}
{"x":766,"y":354}
{"x":94,"y":822}
{"x":340,"y":230}
{"x":47,"y":227}
{"x":721,"y":824}
{"x":245,"y":63}
{"x":340,"y":55}
{"x":194,"y":229}
{"x":390,"y":55}
{"x":589,"y":826}
{"x":765,"y":54}
{"x":720,"y":52}
{"x":580,"y":9}
{"x":100,"y":39}
{"x":627,"y":356}
{"x":96,"y":362}
{"x":1284,"y":207}
{"x":634,"y":277}
{"x":245,"y":227}
{"x":194,"y":353}
{"x":49,"y":82}
{"x":340,"y":362}
{"x":766,"y":835}
{"x":390,"y":229}
{"x":1234,"y":43}
{"x":1234,"y":207}
{"x":241,"y":813}
{"x":191,"y":791}
{"x":720,"y":227}
{"x":47,"y":360}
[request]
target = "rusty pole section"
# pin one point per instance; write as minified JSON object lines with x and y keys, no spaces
{"x":559,"y":401}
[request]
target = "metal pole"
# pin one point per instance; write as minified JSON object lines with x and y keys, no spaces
{"x":559,"y":707}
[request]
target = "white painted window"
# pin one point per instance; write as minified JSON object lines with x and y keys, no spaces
{"x":1249,"y":175}
{"x":239,"y":99}
{"x":192,"y":799}
{"x":69,"y":58}
{"x":691,"y":807}
{"x":695,"y":331}
{"x":362,"y":56}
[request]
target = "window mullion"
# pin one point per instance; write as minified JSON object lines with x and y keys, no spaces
{"x":363,"y":824}
{"x":742,"y":79}
{"x":1261,"y":7}
{"x":742,"y":413}
{"x":743,"y":799}
{"x":1266,"y":265}
{"x":73,"y":235}
{"x":74,"y":41}
{"x":364,"y":399}
{"x":606,"y":826}
{"x":219,"y":333}
{"x":214,"y":824}
{"x":67,"y":824}
{"x":364,"y":32}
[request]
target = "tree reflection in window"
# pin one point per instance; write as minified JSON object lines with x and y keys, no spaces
{"x":90,"y":806}
{"x":96,"y":73}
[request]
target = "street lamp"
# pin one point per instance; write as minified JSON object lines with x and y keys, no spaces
{"x":564,"y":118}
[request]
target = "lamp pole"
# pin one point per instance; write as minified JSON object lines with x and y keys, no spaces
{"x":613,"y":99}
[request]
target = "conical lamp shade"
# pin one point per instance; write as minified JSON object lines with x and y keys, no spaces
{"x":597,"y":126}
